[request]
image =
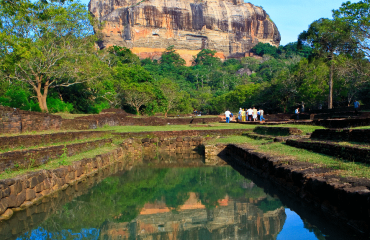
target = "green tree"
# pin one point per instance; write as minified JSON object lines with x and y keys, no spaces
{"x":59,"y":50}
{"x":329,"y":38}
{"x":358,"y":16}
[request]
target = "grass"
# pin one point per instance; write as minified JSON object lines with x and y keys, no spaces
{"x":55,"y":163}
{"x":54,"y":144}
{"x":70,"y":115}
{"x":344,"y":168}
{"x":44,"y":132}
{"x":305,"y":128}
{"x":177,"y":127}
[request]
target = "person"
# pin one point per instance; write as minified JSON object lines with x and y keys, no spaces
{"x":357,"y":106}
{"x":240,"y":115}
{"x":250,"y":113}
{"x":254,"y":114}
{"x":297,"y":113}
{"x":261,"y":115}
{"x":227,"y":115}
{"x":243,"y":115}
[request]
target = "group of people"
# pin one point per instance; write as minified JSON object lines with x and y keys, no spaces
{"x":251,"y":114}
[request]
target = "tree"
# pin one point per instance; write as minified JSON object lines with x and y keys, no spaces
{"x":50,"y":46}
{"x":358,"y":16}
{"x":171,"y":94}
{"x":265,"y":48}
{"x":137,"y":96}
{"x":329,"y":38}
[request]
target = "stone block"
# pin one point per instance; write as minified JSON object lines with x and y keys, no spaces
{"x":32,"y":182}
{"x":3,"y":205}
{"x":5,"y":192}
{"x":30,"y":194}
{"x":39,"y":187}
{"x":16,"y":188}
{"x":21,"y":197}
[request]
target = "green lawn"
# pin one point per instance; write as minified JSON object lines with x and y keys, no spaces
{"x":345,"y":168}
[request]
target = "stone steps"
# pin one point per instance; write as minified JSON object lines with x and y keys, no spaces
{"x":25,"y":141}
{"x":356,"y":153}
{"x":14,"y":160}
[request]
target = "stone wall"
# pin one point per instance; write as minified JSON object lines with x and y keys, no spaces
{"x":23,"y":191}
{"x":277,"y":131}
{"x":351,"y":135}
{"x":350,"y":153}
{"x":24,"y":221}
{"x":16,"y":121}
{"x":42,"y":139}
{"x":345,"y":200}
{"x":189,"y":133}
{"x":343,"y":123}
{"x":213,"y":154}
{"x":36,"y":157}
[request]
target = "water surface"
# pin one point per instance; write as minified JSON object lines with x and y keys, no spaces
{"x":152,"y":202}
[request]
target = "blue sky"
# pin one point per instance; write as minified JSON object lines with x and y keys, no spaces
{"x":293,"y":16}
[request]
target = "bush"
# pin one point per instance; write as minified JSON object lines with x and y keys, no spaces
{"x":16,"y":97}
{"x":56,"y":105}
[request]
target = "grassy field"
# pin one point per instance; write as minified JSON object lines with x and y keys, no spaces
{"x":304,"y":128}
{"x":344,"y":168}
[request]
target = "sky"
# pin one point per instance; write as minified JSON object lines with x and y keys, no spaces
{"x":293,"y":16}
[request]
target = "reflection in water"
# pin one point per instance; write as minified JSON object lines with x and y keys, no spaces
{"x":149,"y":202}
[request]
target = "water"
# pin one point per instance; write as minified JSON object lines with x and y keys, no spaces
{"x":185,"y":203}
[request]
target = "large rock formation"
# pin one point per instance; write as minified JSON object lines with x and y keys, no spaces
{"x":148,"y":27}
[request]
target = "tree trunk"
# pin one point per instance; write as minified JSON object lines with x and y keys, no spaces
{"x":41,"y":97}
{"x":330,"y":100}
{"x":137,"y":110}
{"x":165,"y":114}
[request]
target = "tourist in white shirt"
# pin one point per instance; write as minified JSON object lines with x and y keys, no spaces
{"x":227,"y":115}
{"x":250,"y":113}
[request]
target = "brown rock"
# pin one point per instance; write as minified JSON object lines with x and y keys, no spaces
{"x":6,"y":215}
{"x":21,"y":197}
{"x":32,"y":182}
{"x":12,"y":201}
{"x":5,"y":192}
{"x":230,"y":27}
{"x":39,"y":187}
{"x":16,"y":188}
{"x":3,"y":205}
{"x":30,"y":194}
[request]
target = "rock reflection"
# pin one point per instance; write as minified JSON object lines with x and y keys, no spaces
{"x":235,"y":219}
{"x":153,"y":202}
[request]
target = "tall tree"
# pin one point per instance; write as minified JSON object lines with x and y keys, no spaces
{"x":329,"y":38}
{"x":358,"y":16}
{"x":51,"y":45}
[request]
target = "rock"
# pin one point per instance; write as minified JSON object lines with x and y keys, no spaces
{"x":30,"y":194}
{"x":230,"y":27}
{"x":243,"y":71}
{"x":6,"y":215}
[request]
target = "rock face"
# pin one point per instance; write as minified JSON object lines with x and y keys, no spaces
{"x":148,"y":27}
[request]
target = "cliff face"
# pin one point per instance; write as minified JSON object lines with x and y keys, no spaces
{"x":231,"y":27}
